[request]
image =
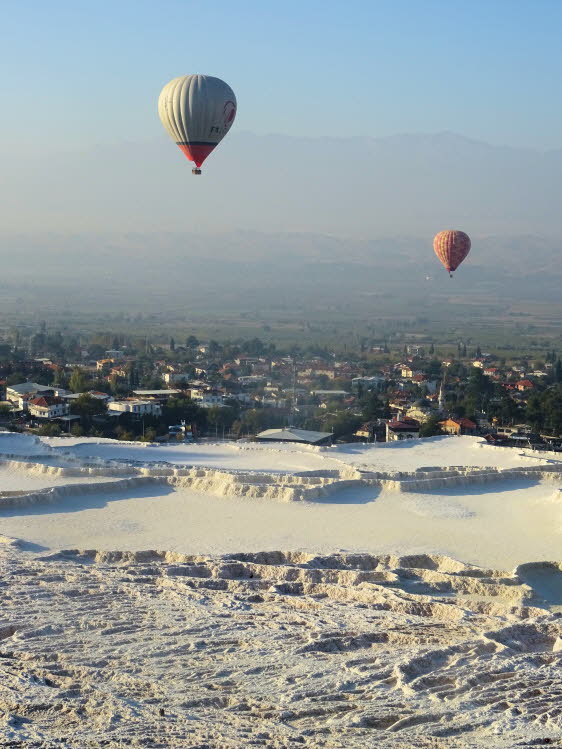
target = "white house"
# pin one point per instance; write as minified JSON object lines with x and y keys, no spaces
{"x":207,"y":398}
{"x":273,"y":402}
{"x":170,"y":378}
{"x":136,"y":407}
{"x":48,"y":407}
{"x":26,"y":390}
{"x":402,"y":430}
{"x":370,"y":383}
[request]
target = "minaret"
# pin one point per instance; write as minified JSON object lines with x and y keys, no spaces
{"x":441,"y":401}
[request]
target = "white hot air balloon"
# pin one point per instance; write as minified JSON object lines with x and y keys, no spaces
{"x":197,"y":111}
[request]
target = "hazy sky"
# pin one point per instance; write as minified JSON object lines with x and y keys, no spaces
{"x":82,"y":148}
{"x":79,"y":72}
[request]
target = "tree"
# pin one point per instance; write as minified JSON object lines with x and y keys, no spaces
{"x":61,"y":378}
{"x":257,"y":419}
{"x":371,"y":406}
{"x":123,"y":434}
{"x":78,"y":382}
{"x":177,"y":410}
{"x":172,"y":344}
{"x":191,"y":341}
{"x":132,"y":377}
{"x":49,"y":430}
{"x":534,"y":412}
{"x":505,"y":409}
{"x":431,"y":427}
{"x":149,"y":435}
{"x":434,"y":368}
{"x":86,"y":407}
{"x":214,"y":348}
{"x":342,"y":424}
{"x":552,"y":404}
{"x":220,"y":419}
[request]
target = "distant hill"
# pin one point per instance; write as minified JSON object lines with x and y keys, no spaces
{"x":275,"y":266}
{"x":276,"y":219}
{"x":405,"y":185}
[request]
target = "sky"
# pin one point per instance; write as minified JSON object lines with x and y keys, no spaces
{"x":82,"y":148}
{"x":78,"y":72}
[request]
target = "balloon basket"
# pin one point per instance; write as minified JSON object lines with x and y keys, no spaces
{"x":196,"y":171}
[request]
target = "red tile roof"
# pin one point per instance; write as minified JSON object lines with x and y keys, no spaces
{"x":39,"y":402}
{"x":406,"y":425}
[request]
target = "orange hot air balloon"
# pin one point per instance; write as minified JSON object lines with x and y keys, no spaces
{"x":451,"y":247}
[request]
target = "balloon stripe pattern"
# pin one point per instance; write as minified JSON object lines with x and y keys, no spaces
{"x":451,"y":247}
{"x":197,"y":111}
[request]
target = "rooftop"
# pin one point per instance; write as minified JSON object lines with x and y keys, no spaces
{"x":294,"y":435}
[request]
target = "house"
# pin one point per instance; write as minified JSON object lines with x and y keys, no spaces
{"x":207,"y":398}
{"x":458,"y":426}
{"x":252,"y":379}
{"x":398,"y":407}
{"x":406,"y":429}
{"x":19,"y":395}
{"x":135,"y":406}
{"x":101,"y":363}
{"x":289,"y":434}
{"x":330,"y":394}
{"x":312,"y":372}
{"x":157,"y":395}
{"x":482,"y":421}
{"x":98,"y":395}
{"x":244,"y":398}
{"x":369,"y":383}
{"x":415,"y":350}
{"x":372,"y":431}
{"x":420,"y":410}
{"x":272,"y":401}
{"x":48,"y":407}
{"x":171,"y":378}
{"x":524,"y":385}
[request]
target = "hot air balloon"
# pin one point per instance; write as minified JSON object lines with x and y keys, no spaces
{"x":197,"y":111}
{"x":451,"y":247}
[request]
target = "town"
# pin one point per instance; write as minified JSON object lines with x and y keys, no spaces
{"x":194,"y":390}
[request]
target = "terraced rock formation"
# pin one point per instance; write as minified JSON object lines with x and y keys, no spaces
{"x":276,"y":649}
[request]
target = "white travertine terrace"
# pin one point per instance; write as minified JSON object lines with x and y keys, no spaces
{"x":367,"y":630}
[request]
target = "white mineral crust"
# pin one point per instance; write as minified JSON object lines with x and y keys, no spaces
{"x":418,"y":602}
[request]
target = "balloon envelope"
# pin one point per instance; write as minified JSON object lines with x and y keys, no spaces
{"x":197,"y":111}
{"x":451,"y":247}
